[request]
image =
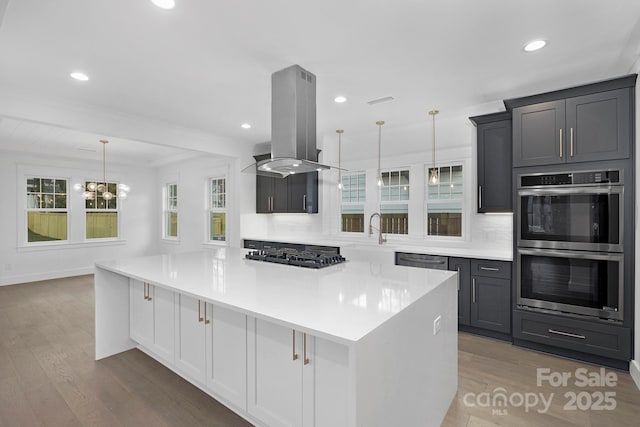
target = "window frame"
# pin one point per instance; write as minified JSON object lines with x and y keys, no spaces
{"x":211,"y":210}
{"x":101,"y":210}
{"x":399,"y":201}
{"x":358,"y":202}
{"x":168,"y":209}
{"x":25,"y":197}
{"x":463,"y":203}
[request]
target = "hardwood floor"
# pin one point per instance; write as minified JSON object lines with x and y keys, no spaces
{"x":48,"y":376}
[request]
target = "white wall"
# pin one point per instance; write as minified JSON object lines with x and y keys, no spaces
{"x":23,"y":264}
{"x":192,"y":177}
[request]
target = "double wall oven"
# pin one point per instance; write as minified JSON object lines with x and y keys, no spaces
{"x":570,"y":243}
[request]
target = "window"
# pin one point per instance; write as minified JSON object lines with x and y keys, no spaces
{"x":353,"y":198}
{"x":394,"y":202}
{"x":46,"y":209}
{"x":444,"y":202}
{"x":218,"y":210}
{"x":171,"y":211}
{"x":101,"y":214}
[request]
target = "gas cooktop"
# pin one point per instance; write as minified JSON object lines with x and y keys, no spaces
{"x":309,"y":259}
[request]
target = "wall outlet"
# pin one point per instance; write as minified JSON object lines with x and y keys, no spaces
{"x":437,"y":325}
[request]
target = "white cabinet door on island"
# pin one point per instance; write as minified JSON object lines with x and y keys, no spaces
{"x":152,"y":318}
{"x":357,"y":344}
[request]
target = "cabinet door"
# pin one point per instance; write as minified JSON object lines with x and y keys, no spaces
{"x":141,"y":314}
{"x":599,"y":126}
{"x":303,"y":193}
{"x":274,"y":377}
{"x":264,"y":193}
{"x":326,"y":383}
{"x":280,"y":199}
{"x":491,"y":303}
{"x":494,"y":167}
{"x":190,"y":338}
{"x":537,"y":130}
{"x":163,"y":322}
{"x":461,"y":265}
{"x":227,"y":355}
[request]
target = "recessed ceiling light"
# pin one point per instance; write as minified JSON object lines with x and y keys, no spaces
{"x":245,"y":126}
{"x":535,"y":45}
{"x":164,"y":4}
{"x":79,"y":76}
{"x":340,"y":99}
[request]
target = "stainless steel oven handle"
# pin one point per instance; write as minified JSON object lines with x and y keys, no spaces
{"x":604,"y":256}
{"x":550,"y":191}
{"x":567,"y":334}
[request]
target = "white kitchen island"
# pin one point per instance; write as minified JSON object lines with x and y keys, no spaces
{"x":353,"y":344}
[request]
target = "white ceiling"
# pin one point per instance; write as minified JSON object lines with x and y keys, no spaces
{"x":206,"y":65}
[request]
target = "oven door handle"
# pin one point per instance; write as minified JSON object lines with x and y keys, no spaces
{"x":605,"y":256}
{"x":609,"y":189}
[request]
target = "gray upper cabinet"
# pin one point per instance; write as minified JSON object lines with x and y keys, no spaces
{"x":586,"y":127}
{"x":494,"y":162}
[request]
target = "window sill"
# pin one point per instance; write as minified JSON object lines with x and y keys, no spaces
{"x":171,"y":241}
{"x":215,"y":243}
{"x":70,"y":245}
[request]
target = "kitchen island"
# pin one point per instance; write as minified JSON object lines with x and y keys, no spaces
{"x":354,"y":344}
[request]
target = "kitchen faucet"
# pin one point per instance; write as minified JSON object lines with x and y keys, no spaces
{"x":381,"y":239}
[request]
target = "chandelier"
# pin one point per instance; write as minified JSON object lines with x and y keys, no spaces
{"x":95,"y":190}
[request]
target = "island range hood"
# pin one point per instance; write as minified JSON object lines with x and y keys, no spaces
{"x":293,"y":124}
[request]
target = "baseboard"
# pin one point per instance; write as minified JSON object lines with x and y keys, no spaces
{"x":634,"y":370}
{"x":36,"y":277}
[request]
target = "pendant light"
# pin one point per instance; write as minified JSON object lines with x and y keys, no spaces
{"x":340,"y":132}
{"x":433,"y":179}
{"x":93,"y":190}
{"x":379,"y":123}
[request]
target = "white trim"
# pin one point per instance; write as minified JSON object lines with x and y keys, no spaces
{"x":210,"y":209}
{"x":26,"y":278}
{"x":45,"y":246}
{"x":634,"y":371}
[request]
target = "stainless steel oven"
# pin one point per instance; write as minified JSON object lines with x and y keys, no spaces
{"x":569,"y":237}
{"x":577,"y":282}
{"x":572,"y":210}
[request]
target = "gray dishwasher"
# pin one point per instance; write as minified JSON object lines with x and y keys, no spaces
{"x":437,"y":262}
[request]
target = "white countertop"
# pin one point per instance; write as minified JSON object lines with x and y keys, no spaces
{"x":343,"y":302}
{"x":453,"y":248}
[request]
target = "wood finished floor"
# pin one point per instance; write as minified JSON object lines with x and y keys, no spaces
{"x":48,"y":376}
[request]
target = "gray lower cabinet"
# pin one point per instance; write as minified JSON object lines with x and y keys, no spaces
{"x":591,"y":127}
{"x":462,"y":266}
{"x":597,"y":338}
{"x":491,"y":295}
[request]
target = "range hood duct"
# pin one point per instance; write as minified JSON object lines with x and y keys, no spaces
{"x":293,"y":124}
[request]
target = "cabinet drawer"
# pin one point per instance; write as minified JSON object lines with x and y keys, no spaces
{"x":488,"y":268}
{"x":573,"y":334}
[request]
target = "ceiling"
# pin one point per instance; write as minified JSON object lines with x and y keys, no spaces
{"x":206,"y":65}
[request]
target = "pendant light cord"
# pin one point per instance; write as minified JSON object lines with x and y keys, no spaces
{"x":379,"y":123}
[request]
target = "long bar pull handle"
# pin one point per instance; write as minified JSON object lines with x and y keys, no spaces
{"x":147,"y":295}
{"x":200,"y":319}
{"x":304,"y":345}
{"x":473,"y":289}
{"x":304,"y":202}
{"x":144,"y":290}
{"x":458,"y":270}
{"x":489,"y":269}
{"x":560,"y":142}
{"x":567,"y":334}
{"x":479,"y":196}
{"x":295,"y":355}
{"x":206,"y":321}
{"x":571,"y":142}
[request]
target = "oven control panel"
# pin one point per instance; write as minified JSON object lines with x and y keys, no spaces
{"x":571,"y":178}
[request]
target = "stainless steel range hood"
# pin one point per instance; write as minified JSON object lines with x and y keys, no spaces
{"x":293,"y":124}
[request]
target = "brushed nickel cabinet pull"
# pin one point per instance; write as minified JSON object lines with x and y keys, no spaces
{"x":304,"y":345}
{"x":295,"y":356}
{"x":304,"y":202}
{"x":489,"y":269}
{"x":479,"y":196}
{"x":206,"y":321}
{"x":458,"y":270}
{"x":200,"y":319}
{"x":571,"y":142}
{"x":147,"y":291}
{"x":567,"y":334}
{"x":560,"y":142}
{"x":473,"y":289}
{"x":144,"y":290}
